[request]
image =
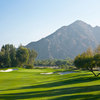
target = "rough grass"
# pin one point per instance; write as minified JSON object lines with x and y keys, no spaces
{"x":29,"y":84}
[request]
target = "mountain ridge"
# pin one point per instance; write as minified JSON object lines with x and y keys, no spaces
{"x":67,"y":41}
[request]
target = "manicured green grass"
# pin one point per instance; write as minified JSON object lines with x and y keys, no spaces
{"x":29,"y":84}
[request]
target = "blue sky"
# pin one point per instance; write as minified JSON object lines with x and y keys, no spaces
{"x":24,"y":21}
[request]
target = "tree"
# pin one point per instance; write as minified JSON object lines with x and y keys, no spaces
{"x":89,"y":52}
{"x":1,"y":59}
{"x":6,"y":55}
{"x":97,"y":61}
{"x":13,"y":55}
{"x":97,"y":50}
{"x":32,"y":56}
{"x":22,"y":55}
{"x":87,"y":61}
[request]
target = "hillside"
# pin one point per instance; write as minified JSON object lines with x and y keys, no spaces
{"x":68,"y":41}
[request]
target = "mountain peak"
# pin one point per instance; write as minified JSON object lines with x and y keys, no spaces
{"x":80,"y":23}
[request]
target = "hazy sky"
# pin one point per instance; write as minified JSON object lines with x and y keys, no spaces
{"x":24,"y":21}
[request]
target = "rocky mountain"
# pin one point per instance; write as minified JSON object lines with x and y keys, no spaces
{"x":68,"y":41}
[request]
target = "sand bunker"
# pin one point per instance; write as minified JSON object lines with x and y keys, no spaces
{"x":8,"y":70}
{"x":47,"y":73}
{"x":62,"y":73}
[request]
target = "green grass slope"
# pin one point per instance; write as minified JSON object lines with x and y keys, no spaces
{"x":29,"y":84}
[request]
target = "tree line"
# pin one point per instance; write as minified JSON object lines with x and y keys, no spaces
{"x":12,"y":57}
{"x":89,"y":60}
{"x":61,"y":63}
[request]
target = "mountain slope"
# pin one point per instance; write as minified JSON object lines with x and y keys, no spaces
{"x":68,"y":41}
{"x":97,"y":33}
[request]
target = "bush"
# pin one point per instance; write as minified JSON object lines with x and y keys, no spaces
{"x":28,"y":66}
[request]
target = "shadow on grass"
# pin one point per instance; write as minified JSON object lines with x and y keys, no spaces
{"x":78,"y":97}
{"x":60,"y":82}
{"x":56,"y":92}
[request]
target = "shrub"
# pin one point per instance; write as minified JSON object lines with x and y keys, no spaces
{"x":28,"y":66}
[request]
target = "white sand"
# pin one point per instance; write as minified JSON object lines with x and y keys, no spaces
{"x":8,"y":70}
{"x":47,"y":73}
{"x":62,"y":73}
